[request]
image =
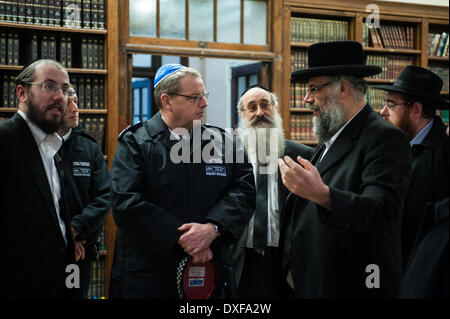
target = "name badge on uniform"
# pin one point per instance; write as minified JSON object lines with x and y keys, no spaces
{"x":216,"y":170}
{"x":81,"y":169}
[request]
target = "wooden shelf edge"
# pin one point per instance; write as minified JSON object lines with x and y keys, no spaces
{"x":300,"y":110}
{"x":390,"y":50}
{"x":52,"y":28}
{"x":93,"y":111}
{"x":438,"y":58}
{"x":70,"y":70}
{"x":379,"y":80}
{"x":8,"y":109}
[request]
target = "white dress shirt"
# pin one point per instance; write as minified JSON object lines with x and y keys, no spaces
{"x":273,"y":214}
{"x":48,"y":145}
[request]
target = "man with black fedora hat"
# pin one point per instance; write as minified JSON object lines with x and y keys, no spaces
{"x":345,"y":207}
{"x":411,"y":104}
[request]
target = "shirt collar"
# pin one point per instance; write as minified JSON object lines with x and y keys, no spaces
{"x":66,"y":136}
{"x":418,"y":139}
{"x":336,"y":135}
{"x":38,"y":134}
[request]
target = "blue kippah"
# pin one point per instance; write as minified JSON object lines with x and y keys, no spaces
{"x":165,"y":71}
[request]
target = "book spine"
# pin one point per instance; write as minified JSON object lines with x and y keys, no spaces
{"x":86,"y":4}
{"x":44,"y":12}
{"x":16,"y":49}
{"x":21,"y":15}
{"x":3,"y":47}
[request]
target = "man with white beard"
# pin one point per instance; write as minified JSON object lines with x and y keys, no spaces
{"x":346,"y":239}
{"x":256,"y":254}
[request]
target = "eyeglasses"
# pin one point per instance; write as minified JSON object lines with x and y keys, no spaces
{"x":51,"y":88}
{"x":71,"y":93}
{"x":193,"y":98}
{"x":263,"y":105}
{"x":314,"y":89}
{"x":392,"y":105}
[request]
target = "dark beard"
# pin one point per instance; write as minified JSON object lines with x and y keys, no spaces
{"x":38,"y":117}
{"x":329,"y":121}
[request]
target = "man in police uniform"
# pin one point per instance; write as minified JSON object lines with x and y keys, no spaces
{"x":167,"y":208}
{"x":88,"y":186}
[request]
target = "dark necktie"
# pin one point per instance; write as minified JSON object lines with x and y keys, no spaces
{"x":260,"y":225}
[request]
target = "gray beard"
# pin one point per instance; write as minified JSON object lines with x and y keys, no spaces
{"x":330,"y":120}
{"x":264,"y":140}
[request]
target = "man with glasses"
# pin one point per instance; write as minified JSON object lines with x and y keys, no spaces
{"x":169,"y":211}
{"x":88,"y":185}
{"x":256,"y":253}
{"x":411,"y":104}
{"x":36,"y":239}
{"x":345,"y":242}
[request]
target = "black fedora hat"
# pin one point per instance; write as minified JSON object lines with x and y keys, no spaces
{"x":336,"y":58}
{"x":420,"y":83}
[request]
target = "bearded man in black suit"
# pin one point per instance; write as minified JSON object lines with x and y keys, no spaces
{"x":256,"y":254}
{"x":36,"y":239}
{"x":346,"y":240}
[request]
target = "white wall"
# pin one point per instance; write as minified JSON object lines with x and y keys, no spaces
{"x":428,"y":2}
{"x":216,"y":74}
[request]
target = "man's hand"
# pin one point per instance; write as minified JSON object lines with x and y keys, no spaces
{"x":79,"y":250}
{"x":203,"y":256}
{"x":304,"y":180}
{"x":196,"y":238}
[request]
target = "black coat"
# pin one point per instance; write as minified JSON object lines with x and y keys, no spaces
{"x":34,"y":253}
{"x":152,"y":196}
{"x":367,"y":170}
{"x":87,"y":180}
{"x":427,"y":272}
{"x":292,"y":149}
{"x":429,"y":182}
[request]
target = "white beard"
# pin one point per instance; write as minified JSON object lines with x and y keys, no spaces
{"x":264,"y":142}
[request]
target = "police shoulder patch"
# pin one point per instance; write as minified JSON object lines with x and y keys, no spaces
{"x":130,"y":128}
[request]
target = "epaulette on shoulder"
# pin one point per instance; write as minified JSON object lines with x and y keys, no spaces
{"x":130,"y":128}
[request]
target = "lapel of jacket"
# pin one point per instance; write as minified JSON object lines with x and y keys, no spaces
{"x":344,"y":143}
{"x":33,"y":160}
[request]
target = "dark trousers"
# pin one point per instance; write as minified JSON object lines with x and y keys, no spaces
{"x":260,"y":275}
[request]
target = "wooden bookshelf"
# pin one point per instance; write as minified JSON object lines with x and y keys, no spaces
{"x":415,"y":21}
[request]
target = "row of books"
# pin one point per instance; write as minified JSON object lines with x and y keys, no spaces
{"x":44,"y":45}
{"x":88,"y":14}
{"x":90,"y":91}
{"x":375,"y":98}
{"x":97,"y":286}
{"x":442,"y":71}
{"x":9,"y":48}
{"x":302,"y":126}
{"x":392,"y":65}
{"x":8,"y":94}
{"x":310,"y":30}
{"x":95,"y":125}
{"x":298,"y":92}
{"x":299,"y":59}
{"x":389,"y":36}
{"x":438,"y":44}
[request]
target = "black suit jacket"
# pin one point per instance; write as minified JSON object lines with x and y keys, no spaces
{"x":34,"y":253}
{"x":292,"y":149}
{"x":367,"y":171}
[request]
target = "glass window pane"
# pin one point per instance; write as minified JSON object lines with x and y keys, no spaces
{"x":143,"y":18}
{"x":253,"y":80}
{"x":255,"y":22}
{"x":173,"y":19}
{"x":168,"y":59}
{"x":142,"y":60}
{"x":229,"y":21}
{"x":201,"y":20}
{"x":145,"y":104}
